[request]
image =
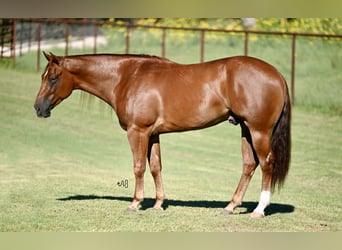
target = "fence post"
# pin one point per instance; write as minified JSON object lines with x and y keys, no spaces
{"x":2,"y":41}
{"x":246,"y":43}
{"x":202,"y":45}
{"x":66,"y":39}
{"x":13,"y":44}
{"x":128,"y":31}
{"x":29,"y":36}
{"x":163,"y":42}
{"x":95,"y":39}
{"x":293,"y":61}
{"x":84,"y":34}
{"x":21,"y":31}
{"x":39,"y":28}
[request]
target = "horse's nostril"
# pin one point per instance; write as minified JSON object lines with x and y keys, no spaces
{"x":42,"y":110}
{"x":37,"y":108}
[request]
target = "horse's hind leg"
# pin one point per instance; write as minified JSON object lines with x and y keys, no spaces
{"x":154,"y":159}
{"x":250,"y":163}
{"x":262,"y":146}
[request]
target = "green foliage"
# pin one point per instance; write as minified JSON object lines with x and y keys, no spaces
{"x":300,"y":25}
{"x":305,"y":25}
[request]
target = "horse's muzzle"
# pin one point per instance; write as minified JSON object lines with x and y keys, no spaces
{"x":43,"y":108}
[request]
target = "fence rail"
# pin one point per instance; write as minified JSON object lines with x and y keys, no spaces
{"x":7,"y":38}
{"x":65,"y":25}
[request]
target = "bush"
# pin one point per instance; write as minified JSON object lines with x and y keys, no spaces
{"x":300,"y":25}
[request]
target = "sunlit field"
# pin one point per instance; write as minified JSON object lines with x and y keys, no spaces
{"x":65,"y":173}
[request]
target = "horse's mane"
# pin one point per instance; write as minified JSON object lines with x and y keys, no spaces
{"x":141,"y":56}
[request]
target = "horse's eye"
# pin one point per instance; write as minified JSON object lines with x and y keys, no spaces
{"x":53,"y":80}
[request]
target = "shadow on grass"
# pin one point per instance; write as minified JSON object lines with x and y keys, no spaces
{"x":273,"y":208}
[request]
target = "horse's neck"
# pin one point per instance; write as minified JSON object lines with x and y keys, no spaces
{"x":96,"y":76}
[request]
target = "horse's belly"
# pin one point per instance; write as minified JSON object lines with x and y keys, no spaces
{"x":192,"y":116}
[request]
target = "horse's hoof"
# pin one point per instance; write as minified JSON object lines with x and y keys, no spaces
{"x":226,"y":211}
{"x":257,"y":215}
{"x":131,"y":209}
{"x":158,"y":209}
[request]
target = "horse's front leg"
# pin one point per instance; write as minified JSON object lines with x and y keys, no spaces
{"x":138,"y":141}
{"x":154,"y":159}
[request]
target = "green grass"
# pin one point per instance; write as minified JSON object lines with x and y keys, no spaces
{"x":61,"y":173}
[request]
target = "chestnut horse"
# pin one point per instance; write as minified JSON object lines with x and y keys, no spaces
{"x":153,"y":95}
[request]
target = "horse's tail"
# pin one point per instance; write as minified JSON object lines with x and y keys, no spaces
{"x":281,"y":144}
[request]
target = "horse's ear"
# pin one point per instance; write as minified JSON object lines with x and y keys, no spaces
{"x":47,"y":56}
{"x":51,"y":57}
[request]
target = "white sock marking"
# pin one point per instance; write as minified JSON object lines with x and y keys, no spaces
{"x":265,"y":198}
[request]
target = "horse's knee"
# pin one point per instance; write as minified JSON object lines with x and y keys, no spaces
{"x":155,"y":171}
{"x":248,"y":168}
{"x":139,"y":169}
{"x":155,"y":166}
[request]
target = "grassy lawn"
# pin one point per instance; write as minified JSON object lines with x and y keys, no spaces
{"x":61,"y":173}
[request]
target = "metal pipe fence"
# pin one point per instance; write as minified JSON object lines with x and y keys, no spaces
{"x":86,"y":25}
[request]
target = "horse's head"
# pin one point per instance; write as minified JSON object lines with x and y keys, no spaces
{"x":56,"y":85}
